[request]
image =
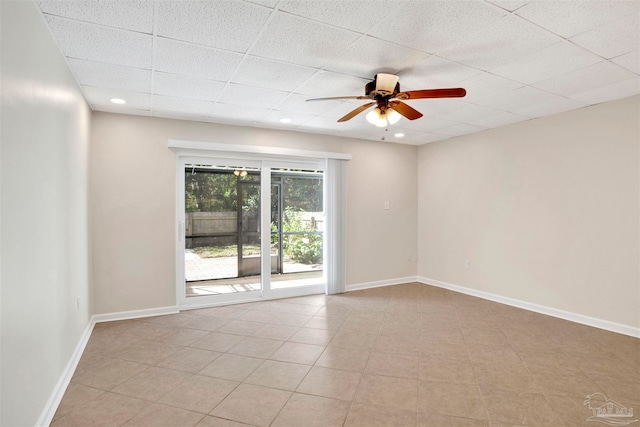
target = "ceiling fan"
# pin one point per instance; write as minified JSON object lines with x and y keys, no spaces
{"x":384,"y":92}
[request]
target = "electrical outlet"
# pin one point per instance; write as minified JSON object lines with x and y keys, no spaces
{"x":78,"y":302}
{"x":386,"y":204}
{"x":467,"y":263}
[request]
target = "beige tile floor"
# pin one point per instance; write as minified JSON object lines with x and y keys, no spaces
{"x":405,"y":355}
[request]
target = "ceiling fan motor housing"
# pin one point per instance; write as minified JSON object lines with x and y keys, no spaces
{"x":370,"y":89}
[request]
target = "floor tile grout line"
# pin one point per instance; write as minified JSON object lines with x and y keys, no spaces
{"x":387,"y":304}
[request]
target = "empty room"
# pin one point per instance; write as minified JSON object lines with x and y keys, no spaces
{"x":320,"y":213}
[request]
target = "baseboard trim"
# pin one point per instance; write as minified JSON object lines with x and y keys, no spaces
{"x":380,"y":283}
{"x":135,"y":314}
{"x":50,"y":408}
{"x":549,"y":311}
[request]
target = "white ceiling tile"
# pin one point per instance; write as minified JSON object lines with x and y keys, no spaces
{"x":229,"y":25}
{"x":614,"y":39}
{"x":102,"y":44}
{"x":273,"y":117}
{"x":121,"y":109}
{"x":460,"y":129}
{"x":548,"y":62}
{"x":297,"y":103}
{"x":101,"y":96}
{"x":440,"y":23}
{"x":328,"y":123}
{"x":127,"y":15}
{"x":195,"y":61}
{"x":485,"y":85}
{"x":500,"y":43}
{"x":400,"y":127}
{"x":464,"y":112}
{"x":352,"y":15}
{"x":509,"y":100}
{"x":435,"y":72}
{"x":325,"y":84}
{"x":301,"y":41}
{"x":186,"y":87}
{"x":237,"y":112}
{"x":610,"y":92}
{"x":110,"y":76}
{"x":510,"y":5}
{"x":251,"y":96}
{"x":518,"y":99}
{"x":373,"y":133}
{"x":585,"y":79}
{"x":426,"y":137}
{"x":182,"y":105}
{"x":368,"y":56}
{"x":437,"y":107}
{"x":428,"y":123}
{"x":500,"y":119}
{"x":110,"y":53}
{"x":551,"y":106}
{"x":531,"y":102}
{"x":568,"y":18}
{"x":403,"y":141}
{"x":271,"y":74}
{"x":265,"y":3}
{"x":240,"y":113}
{"x":176,"y":115}
{"x":630,"y":61}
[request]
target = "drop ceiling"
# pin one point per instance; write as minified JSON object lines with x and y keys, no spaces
{"x":253,"y":63}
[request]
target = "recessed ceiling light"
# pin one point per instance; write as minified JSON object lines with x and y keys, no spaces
{"x":285,"y":120}
{"x":399,"y":135}
{"x":118,"y":101}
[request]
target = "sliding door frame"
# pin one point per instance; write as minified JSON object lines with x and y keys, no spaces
{"x":265,"y":158}
{"x":268,"y":292}
{"x":181,"y":290}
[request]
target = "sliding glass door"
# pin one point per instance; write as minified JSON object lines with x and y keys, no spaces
{"x":222,"y":229}
{"x":297,"y":221}
{"x":251,"y":230}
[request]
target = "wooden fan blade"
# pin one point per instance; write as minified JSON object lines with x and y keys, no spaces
{"x":357,"y":111}
{"x":338,"y":97}
{"x":402,"y":108}
{"x":457,"y":92}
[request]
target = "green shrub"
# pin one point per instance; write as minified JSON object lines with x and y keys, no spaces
{"x":302,"y":248}
{"x":305,"y":249}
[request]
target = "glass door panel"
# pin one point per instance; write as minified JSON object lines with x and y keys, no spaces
{"x":249,"y":228}
{"x":222,"y":230}
{"x":297,"y":227}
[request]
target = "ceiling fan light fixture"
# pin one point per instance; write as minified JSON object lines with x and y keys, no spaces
{"x":377,"y":118}
{"x":393,"y":116}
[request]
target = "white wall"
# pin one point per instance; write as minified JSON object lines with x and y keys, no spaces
{"x":546,"y":211}
{"x":133,"y":204}
{"x":44,"y":225}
